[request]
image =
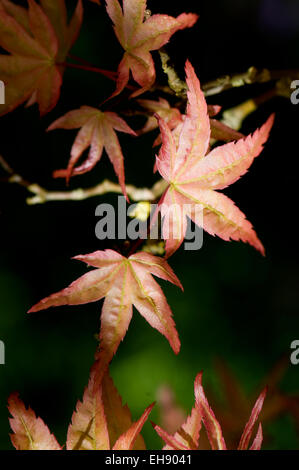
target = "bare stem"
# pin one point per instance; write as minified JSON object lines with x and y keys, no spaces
{"x":214,"y":87}
{"x":42,"y":195}
{"x":251,"y":76}
{"x":176,"y":85}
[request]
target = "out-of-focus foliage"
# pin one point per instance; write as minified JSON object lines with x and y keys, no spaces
{"x":38,"y":41}
{"x":187,"y":436}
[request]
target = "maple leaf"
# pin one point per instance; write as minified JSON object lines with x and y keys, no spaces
{"x":139,"y":37}
{"x":194,"y":178}
{"x":97,"y":131}
{"x":187,"y":437}
{"x":100,"y":422}
{"x":38,"y":40}
{"x":123,"y":282}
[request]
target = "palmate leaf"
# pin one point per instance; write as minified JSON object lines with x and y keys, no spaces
{"x":187,"y":438}
{"x":100,"y":422}
{"x":123,"y":282}
{"x":37,"y":40}
{"x":194,"y":176}
{"x":98,"y":132}
{"x":139,"y":37}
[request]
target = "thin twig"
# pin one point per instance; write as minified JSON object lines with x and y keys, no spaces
{"x":178,"y":87}
{"x":42,"y":195}
{"x":214,"y":87}
{"x":251,"y":76}
{"x":226,"y":82}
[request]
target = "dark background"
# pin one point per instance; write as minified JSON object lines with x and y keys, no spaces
{"x":237,"y":305}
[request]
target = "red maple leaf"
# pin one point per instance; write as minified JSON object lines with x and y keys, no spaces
{"x":123,"y":282}
{"x":194,"y":177}
{"x":98,"y":132}
{"x":138,"y":37}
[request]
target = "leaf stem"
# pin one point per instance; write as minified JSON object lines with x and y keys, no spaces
{"x":91,"y":68}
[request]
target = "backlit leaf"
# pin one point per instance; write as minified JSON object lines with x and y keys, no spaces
{"x":97,"y":131}
{"x":194,"y":176}
{"x":29,"y":432}
{"x":123,"y":282}
{"x":138,"y":37}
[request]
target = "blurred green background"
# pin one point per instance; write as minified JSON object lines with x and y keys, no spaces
{"x":236,"y":306}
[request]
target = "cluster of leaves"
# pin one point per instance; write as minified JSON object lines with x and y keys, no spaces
{"x":187,"y":437}
{"x":38,"y":41}
{"x":192,"y":180}
{"x":101,"y":422}
{"x":234,"y":404}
